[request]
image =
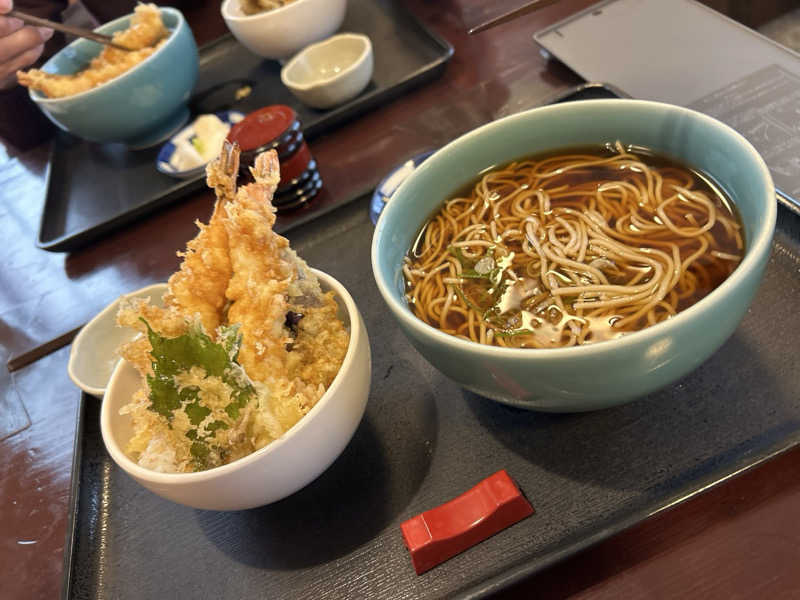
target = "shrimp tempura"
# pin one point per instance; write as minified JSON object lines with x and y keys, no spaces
{"x":261,"y":274}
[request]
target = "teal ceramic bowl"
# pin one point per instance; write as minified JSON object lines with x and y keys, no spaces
{"x":141,"y":107}
{"x":607,"y":373}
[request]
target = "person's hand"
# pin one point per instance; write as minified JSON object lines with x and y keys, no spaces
{"x":20,"y":45}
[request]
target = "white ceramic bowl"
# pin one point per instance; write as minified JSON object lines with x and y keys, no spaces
{"x":280,"y":468}
{"x":330,"y":72}
{"x":93,"y":355}
{"x":280,"y":33}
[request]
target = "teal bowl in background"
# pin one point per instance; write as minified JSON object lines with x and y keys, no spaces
{"x":141,"y":107}
{"x":607,"y":373}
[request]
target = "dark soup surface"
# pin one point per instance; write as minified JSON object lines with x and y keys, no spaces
{"x":573,"y":247}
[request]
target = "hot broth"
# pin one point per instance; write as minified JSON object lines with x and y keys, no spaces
{"x":572,"y":248}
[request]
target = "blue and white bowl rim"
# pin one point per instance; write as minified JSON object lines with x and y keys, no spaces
{"x":167,"y":150}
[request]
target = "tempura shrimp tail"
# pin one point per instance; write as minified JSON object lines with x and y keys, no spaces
{"x":267,"y":172}
{"x":221,"y":172}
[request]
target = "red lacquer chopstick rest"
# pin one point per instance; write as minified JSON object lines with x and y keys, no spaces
{"x":442,"y":532}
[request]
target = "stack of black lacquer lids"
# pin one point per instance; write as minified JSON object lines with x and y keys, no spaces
{"x":277,"y":128}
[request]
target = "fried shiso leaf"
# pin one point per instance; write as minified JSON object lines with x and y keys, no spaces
{"x":172,"y":356}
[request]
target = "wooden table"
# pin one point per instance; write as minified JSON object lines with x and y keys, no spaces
{"x":740,"y":539}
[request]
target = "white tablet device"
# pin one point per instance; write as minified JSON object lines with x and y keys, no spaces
{"x":682,"y":52}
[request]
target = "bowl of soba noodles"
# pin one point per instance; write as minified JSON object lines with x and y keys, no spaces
{"x":577,"y":256}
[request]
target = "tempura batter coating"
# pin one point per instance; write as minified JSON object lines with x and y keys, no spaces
{"x":168,"y":321}
{"x":145,"y":30}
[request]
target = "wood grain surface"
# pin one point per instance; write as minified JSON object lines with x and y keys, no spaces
{"x":738,"y":540}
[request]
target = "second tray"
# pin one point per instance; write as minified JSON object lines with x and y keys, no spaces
{"x":93,"y":189}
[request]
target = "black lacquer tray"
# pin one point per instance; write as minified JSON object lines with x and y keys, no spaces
{"x":93,"y":189}
{"x":424,"y":440}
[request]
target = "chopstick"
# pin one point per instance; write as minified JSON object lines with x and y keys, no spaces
{"x":29,"y":356}
{"x":78,"y":31}
{"x":511,"y":15}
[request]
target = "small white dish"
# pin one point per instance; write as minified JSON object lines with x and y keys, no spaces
{"x":93,"y":355}
{"x":181,"y":144}
{"x":330,"y":72}
{"x":280,"y":32}
{"x":280,"y":468}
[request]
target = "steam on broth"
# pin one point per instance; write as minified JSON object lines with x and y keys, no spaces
{"x":572,"y":248}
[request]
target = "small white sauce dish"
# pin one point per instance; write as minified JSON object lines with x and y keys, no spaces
{"x":180,"y":158}
{"x":93,"y":355}
{"x":330,"y":72}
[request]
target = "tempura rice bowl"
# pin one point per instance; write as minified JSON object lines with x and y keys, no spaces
{"x":140,"y":107}
{"x":277,"y":470}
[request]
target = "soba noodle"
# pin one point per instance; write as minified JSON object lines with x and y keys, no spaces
{"x":572,"y":249}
